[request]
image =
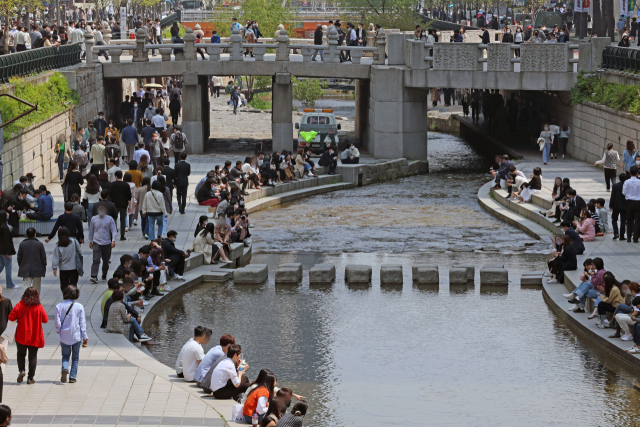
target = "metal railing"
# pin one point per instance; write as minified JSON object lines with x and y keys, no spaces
{"x":34,"y":61}
{"x":621,"y":59}
{"x":169,"y":20}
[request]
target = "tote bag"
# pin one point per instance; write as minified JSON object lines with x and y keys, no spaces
{"x":236,"y":414}
{"x":12,"y":325}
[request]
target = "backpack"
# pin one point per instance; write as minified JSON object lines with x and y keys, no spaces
{"x":38,"y":43}
{"x":234,"y":94}
{"x":112,"y":152}
{"x":178,"y":141}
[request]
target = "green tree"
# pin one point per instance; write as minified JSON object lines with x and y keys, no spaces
{"x":267,"y":13}
{"x":307,"y":91}
{"x":10,"y":10}
{"x":400,"y":14}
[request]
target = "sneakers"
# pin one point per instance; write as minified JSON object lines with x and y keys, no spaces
{"x":13,"y":287}
{"x":164,"y":288}
{"x":65,"y":374}
{"x":569,"y":295}
{"x":574,"y":307}
{"x":144,"y":338}
{"x":574,"y":301}
{"x":179,"y":277}
{"x":552,"y":281}
{"x":127,"y":229}
{"x":627,"y":337}
{"x":20,"y":377}
{"x":31,"y":381}
{"x":94,"y":280}
{"x":633,"y":350}
{"x":547,"y":274}
{"x":145,"y":302}
{"x":72,"y":381}
{"x":579,"y":310}
{"x":135,"y":223}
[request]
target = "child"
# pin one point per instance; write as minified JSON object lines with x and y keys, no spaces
{"x":603,"y":216}
{"x":591,"y":206}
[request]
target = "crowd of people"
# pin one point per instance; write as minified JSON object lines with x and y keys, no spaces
{"x":222,"y":374}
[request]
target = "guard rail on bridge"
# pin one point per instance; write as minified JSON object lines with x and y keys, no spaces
{"x":37,"y":60}
{"x":621,"y":59}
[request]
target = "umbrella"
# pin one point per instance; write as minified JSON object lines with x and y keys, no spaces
{"x":152,"y":86}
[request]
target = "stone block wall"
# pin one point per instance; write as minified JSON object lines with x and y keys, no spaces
{"x":33,"y":151}
{"x":90,"y":87}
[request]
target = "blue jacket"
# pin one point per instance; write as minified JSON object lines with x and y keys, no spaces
{"x":576,"y":240}
{"x":130,"y":135}
{"x":45,"y":205}
{"x":215,"y":38}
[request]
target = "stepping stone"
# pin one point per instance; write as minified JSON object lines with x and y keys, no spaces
{"x":322,"y":274}
{"x":471,"y":271}
{"x":494,"y":276}
{"x":289,"y":273}
{"x":358,"y":273}
{"x":425,"y":275}
{"x":391,"y":274}
{"x":235,"y":251}
{"x":458,"y":276}
{"x":531,"y":278}
{"x":252,"y":274}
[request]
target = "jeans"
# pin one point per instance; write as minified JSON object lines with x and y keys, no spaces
{"x":143,"y":224}
{"x":315,"y":52}
{"x":90,"y":213}
{"x":591,"y":293}
{"x":135,"y":329}
{"x":5,"y":263}
{"x":581,"y":290}
{"x":102,"y":52}
{"x":72,"y":351}
{"x":61,"y":165}
{"x":153,"y":220}
{"x":248,"y":419}
{"x":545,"y":152}
{"x":164,"y":223}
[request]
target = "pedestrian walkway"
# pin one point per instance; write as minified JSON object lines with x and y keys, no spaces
{"x":117,"y":384}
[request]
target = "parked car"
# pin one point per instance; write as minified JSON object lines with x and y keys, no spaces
{"x":324,"y":123}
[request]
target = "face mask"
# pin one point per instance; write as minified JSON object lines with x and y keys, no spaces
{"x":110,"y":126}
{"x":509,"y":32}
{"x":101,"y":117}
{"x":135,"y":105}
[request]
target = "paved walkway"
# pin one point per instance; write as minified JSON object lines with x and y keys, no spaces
{"x":117,"y":384}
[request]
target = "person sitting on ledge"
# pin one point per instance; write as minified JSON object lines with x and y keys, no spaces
{"x":504,"y":169}
{"x":228,"y":381}
{"x":121,"y":322}
{"x":296,"y":416}
{"x":350,"y":155}
{"x":214,"y":355}
{"x":568,"y":261}
{"x":578,"y":245}
{"x":44,"y":210}
{"x":592,"y":282}
{"x":258,"y":398}
{"x":574,"y":205}
{"x":586,"y":227}
{"x":175,"y":256}
{"x":609,"y":300}
{"x":192,"y":353}
{"x":206,"y":195}
{"x":532,"y":187}
{"x":329,"y":159}
{"x":627,"y":320}
{"x":624,"y":308}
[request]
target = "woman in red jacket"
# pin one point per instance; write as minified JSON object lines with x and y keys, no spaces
{"x":29,"y":335}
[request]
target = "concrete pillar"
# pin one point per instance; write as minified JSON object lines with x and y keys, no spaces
{"x":397,"y":116}
{"x":281,"y":124}
{"x":362,"y":111}
{"x":192,"y":112}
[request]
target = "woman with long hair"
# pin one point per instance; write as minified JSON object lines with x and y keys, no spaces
{"x":629,"y":156}
{"x":145,"y":167}
{"x":72,"y":181}
{"x":610,"y":165}
{"x":167,"y":200}
{"x":29,"y":335}
{"x":534,"y":186}
{"x":586,"y":227}
{"x":609,"y":300}
{"x":166,"y":144}
{"x":94,"y":170}
{"x":258,"y":399}
{"x":91,"y":194}
{"x":204,"y":243}
{"x":103,"y":181}
{"x":111,"y":131}
{"x":563,"y":138}
{"x":132,"y":207}
{"x":145,"y":187}
{"x":276,"y":410}
{"x":7,"y":250}
{"x":5,"y":308}
{"x":136,"y":175}
{"x":65,"y":254}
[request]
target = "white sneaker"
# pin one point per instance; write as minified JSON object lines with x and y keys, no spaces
{"x":144,"y":302}
{"x":552,"y":281}
{"x":574,"y":307}
{"x":627,"y":337}
{"x":126,"y":229}
{"x":569,"y":295}
{"x":144,"y":338}
{"x":179,"y":277}
{"x":547,"y":274}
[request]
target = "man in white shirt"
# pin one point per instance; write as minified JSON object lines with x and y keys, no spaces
{"x":226,"y":381}
{"x":140,"y":151}
{"x":193,"y":353}
{"x":158,"y":121}
{"x":631,"y":191}
{"x":213,"y":355}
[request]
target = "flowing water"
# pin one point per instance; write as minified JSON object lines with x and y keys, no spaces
{"x":408,"y":355}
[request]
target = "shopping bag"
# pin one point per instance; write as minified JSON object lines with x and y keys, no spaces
{"x":10,"y":332}
{"x":236,"y":414}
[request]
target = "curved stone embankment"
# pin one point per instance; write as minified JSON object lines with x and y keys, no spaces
{"x":526,"y":217}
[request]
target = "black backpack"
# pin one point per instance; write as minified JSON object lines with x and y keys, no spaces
{"x":38,"y":43}
{"x":178,"y":141}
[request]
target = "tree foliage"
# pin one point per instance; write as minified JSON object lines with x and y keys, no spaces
{"x":592,"y":88}
{"x":268,"y":13}
{"x":400,"y":14}
{"x":307,"y":91}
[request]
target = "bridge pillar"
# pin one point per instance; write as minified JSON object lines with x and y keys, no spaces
{"x":195,"y":111}
{"x":362,"y":111}
{"x":281,"y":123}
{"x":397,"y":116}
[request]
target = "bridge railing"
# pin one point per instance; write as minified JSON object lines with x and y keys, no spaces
{"x":621,"y":59}
{"x":35,"y":61}
{"x":236,"y":48}
{"x":531,"y":57}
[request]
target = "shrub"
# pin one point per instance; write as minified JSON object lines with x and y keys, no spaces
{"x":51,"y":97}
{"x":261,"y":101}
{"x":592,"y":88}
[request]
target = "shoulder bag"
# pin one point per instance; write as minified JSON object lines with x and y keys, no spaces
{"x":79,"y":260}
{"x":10,"y":332}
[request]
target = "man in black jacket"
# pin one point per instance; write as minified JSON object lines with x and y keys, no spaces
{"x":576,"y":240}
{"x":176,"y":256}
{"x":329,"y":159}
{"x":182,"y":172}
{"x":169,"y":176}
{"x":618,"y":203}
{"x":485,"y":35}
{"x":174,"y":107}
{"x":69,"y":220}
{"x":576,"y":205}
{"x":120,"y":196}
{"x":239,"y":177}
{"x":317,"y":40}
{"x":32,"y":260}
{"x":111,"y":207}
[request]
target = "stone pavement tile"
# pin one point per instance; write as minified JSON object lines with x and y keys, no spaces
{"x":213,"y":422}
{"x":150,"y":420}
{"x":110,"y":420}
{"x":192,"y":421}
{"x":64,"y":419}
{"x":128,"y":420}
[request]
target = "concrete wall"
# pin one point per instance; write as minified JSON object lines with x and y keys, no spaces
{"x":89,"y":82}
{"x":32,"y":151}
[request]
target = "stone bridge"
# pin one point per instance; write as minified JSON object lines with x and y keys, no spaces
{"x":391,"y":94}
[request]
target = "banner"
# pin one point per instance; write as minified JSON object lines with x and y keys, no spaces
{"x":632,"y":6}
{"x":578,"y":6}
{"x":123,"y":21}
{"x":624,"y":7}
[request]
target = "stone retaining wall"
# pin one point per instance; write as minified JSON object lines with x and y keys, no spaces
{"x":443,"y":124}
{"x":393,"y":169}
{"x":90,"y":87}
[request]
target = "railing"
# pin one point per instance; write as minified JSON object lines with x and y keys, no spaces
{"x":236,"y":47}
{"x":38,"y":60}
{"x":621,"y":59}
{"x":169,"y":20}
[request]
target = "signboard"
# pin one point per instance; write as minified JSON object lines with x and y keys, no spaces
{"x":582,"y":5}
{"x":123,"y":20}
{"x":578,"y":6}
{"x":624,"y":7}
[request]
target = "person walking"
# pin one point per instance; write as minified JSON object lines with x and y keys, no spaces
{"x":7,"y":250}
{"x":610,"y":160}
{"x":182,"y":172}
{"x":174,"y":109}
{"x":63,"y":153}
{"x":120,"y":196}
{"x":618,"y":206}
{"x":547,"y":136}
{"x":67,"y":257}
{"x":29,"y":336}
{"x":5,"y":308}
{"x":71,"y":326}
{"x":130,"y":135}
{"x":153,"y":207}
{"x":32,"y":260}
{"x":317,"y":41}
{"x":97,"y":154}
{"x":102,"y":238}
{"x":178,"y":142}
{"x":631,"y":191}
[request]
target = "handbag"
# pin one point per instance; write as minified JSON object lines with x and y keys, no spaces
{"x":4,"y":357}
{"x":79,"y":262}
{"x":10,"y":332}
{"x":236,"y":414}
